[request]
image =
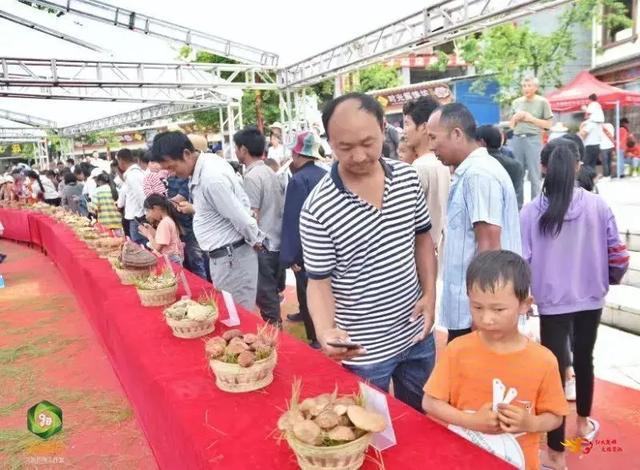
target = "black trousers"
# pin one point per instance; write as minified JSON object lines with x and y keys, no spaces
{"x":554,"y":334}
{"x":591,"y":155}
{"x":453,"y":334}
{"x":301,"y":291}
{"x":53,"y":202}
{"x":267,"y":297}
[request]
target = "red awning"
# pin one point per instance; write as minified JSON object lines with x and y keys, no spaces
{"x":575,"y":94}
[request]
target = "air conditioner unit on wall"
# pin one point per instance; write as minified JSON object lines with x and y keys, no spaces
{"x":624,"y":34}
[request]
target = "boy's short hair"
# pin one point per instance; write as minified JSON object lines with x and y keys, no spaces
{"x":492,"y":269}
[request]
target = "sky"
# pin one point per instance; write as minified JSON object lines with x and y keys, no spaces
{"x":279,"y":26}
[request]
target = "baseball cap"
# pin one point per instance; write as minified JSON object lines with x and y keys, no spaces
{"x":276,"y":125}
{"x":307,"y":144}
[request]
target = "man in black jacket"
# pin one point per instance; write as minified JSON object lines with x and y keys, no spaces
{"x":491,"y":138}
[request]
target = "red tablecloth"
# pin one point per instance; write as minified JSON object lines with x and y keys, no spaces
{"x":189,"y":423}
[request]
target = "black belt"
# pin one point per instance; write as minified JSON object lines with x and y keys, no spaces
{"x":225,"y":250}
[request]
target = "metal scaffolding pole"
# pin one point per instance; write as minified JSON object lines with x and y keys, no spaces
{"x":26,"y":119}
{"x":435,"y":25}
{"x":150,"y":26}
{"x":49,"y":31}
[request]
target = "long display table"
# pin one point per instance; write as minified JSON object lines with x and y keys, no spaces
{"x":189,"y":423}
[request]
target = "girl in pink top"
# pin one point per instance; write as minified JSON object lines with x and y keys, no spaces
{"x":165,"y":238}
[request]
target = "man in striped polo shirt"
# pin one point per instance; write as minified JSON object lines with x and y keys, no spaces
{"x":369,"y":255}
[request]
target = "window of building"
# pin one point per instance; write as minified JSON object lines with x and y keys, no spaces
{"x":620,"y":33}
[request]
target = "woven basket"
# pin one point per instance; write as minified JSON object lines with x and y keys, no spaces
{"x":235,"y":379}
{"x":349,"y":456}
{"x":188,"y":329}
{"x":128,"y":275}
{"x":158,"y":297}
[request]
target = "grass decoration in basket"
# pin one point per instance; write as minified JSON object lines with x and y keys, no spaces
{"x":329,"y":431}
{"x":134,"y":262}
{"x":190,"y":319}
{"x":157,"y":290}
{"x":243,"y":362}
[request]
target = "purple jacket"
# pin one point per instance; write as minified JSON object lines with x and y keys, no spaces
{"x":572,"y":272}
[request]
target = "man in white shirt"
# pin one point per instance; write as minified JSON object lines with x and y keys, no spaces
{"x":131,"y":195}
{"x":591,"y":134}
{"x":434,"y":176}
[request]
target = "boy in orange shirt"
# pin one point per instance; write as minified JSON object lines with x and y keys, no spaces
{"x":498,"y":287}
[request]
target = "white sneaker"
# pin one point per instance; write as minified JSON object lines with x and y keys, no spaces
{"x":570,"y":389}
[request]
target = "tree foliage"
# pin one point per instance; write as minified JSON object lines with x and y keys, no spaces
{"x":376,"y":77}
{"x":507,"y":52}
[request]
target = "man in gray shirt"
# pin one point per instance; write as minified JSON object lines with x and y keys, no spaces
{"x":266,"y":199}
{"x":222,"y":219}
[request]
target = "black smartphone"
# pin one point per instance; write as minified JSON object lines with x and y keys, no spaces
{"x":344,"y":344}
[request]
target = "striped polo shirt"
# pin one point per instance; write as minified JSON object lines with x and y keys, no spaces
{"x":369,"y":254}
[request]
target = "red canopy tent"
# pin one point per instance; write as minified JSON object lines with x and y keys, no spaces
{"x":575,"y":94}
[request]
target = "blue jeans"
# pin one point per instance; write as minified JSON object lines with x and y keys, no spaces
{"x":409,"y":370}
{"x":134,"y":234}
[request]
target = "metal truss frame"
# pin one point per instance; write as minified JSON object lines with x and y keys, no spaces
{"x":150,"y":26}
{"x":436,"y":24}
{"x":130,"y":81}
{"x":26,"y":119}
{"x":22,"y":133}
{"x":49,"y":31}
{"x":148,"y":113}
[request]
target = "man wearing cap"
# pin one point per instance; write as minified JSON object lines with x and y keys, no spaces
{"x":266,"y":201}
{"x":306,"y":174}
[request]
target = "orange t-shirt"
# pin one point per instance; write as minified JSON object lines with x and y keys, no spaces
{"x":465,"y":370}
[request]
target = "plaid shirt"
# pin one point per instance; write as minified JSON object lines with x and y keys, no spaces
{"x":180,"y":186}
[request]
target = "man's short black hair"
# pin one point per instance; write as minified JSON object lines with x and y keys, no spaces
{"x":492,"y":269}
{"x":457,"y":115}
{"x":420,"y":109}
{"x":367,"y":103}
{"x":71,"y":160}
{"x":593,"y":97}
{"x":624,"y":121}
{"x":125,"y":155}
{"x":170,"y":145}
{"x":252,"y":139}
{"x":144,"y":157}
{"x":70,"y":178}
{"x":491,"y":136}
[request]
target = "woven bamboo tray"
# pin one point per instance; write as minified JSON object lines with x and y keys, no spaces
{"x":189,"y":329}
{"x":158,"y":297}
{"x":349,"y":456}
{"x":235,"y":379}
{"x":128,"y":275}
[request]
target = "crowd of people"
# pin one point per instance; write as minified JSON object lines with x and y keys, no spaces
{"x":368,"y":236}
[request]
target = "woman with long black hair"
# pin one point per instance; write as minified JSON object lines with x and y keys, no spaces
{"x":571,"y":241}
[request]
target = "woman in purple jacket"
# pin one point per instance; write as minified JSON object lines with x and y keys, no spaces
{"x":571,"y":241}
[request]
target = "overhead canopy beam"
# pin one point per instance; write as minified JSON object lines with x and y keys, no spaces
{"x":134,"y":21}
{"x":117,"y":95}
{"x":26,"y":119}
{"x":435,"y":25}
{"x":22,"y":133}
{"x":26,"y":72}
{"x":49,"y":31}
{"x":129,"y":118}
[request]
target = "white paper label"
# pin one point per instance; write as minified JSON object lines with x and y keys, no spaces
{"x":233,"y":319}
{"x":187,"y":289}
{"x":377,"y":401}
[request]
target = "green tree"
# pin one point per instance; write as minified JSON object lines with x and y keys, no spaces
{"x":376,"y":77}
{"x":253,"y":102}
{"x":507,"y":52}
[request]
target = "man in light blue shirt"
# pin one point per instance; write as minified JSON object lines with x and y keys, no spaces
{"x":482,"y":210}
